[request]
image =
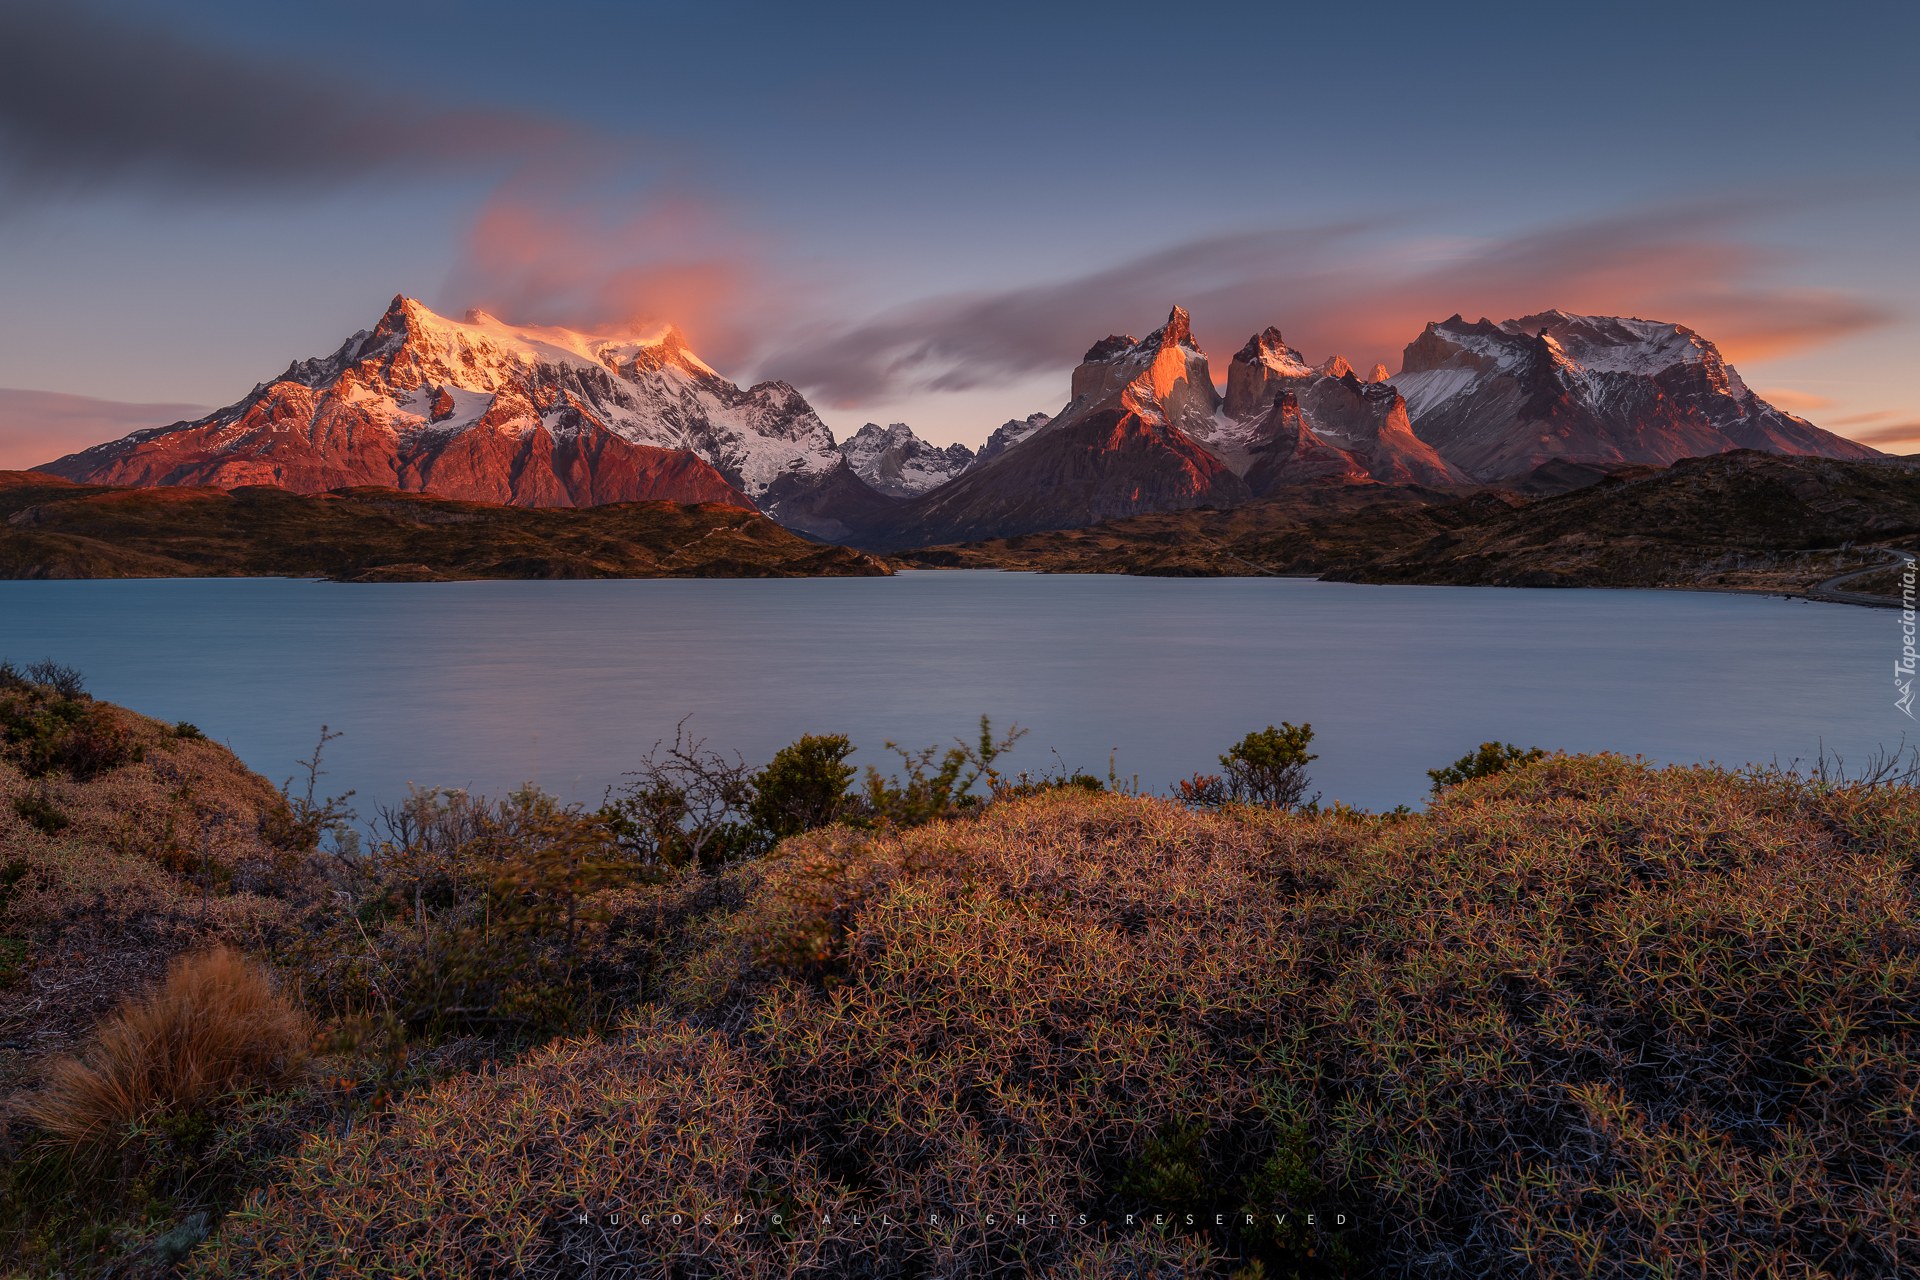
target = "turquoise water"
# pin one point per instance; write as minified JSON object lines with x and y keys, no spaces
{"x":489,"y":684}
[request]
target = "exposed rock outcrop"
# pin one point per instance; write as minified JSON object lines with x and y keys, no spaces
{"x":1260,"y":371}
{"x":1284,"y":421}
{"x":1119,"y":447}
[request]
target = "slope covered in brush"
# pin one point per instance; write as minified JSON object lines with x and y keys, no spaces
{"x":1703,"y":521}
{"x":57,"y":529}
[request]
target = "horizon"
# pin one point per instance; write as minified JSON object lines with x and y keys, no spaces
{"x":925,"y":220}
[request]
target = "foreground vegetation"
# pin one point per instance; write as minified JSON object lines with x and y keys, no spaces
{"x":1582,"y":1016}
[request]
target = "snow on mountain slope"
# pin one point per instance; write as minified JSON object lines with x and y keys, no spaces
{"x":1283,"y":420}
{"x":1008,"y":434}
{"x":1501,"y":399}
{"x":896,"y":462}
{"x":422,"y":399}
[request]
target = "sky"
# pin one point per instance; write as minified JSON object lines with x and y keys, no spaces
{"x":925,"y":214}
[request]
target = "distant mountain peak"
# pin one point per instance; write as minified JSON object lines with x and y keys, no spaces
{"x":1267,"y":347}
{"x":1501,"y":399}
{"x":481,"y":408}
{"x":1008,"y":434}
{"x":892,"y":460}
{"x":1110,"y":346}
{"x":1176,"y":332}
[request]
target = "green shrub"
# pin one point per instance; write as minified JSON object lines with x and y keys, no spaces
{"x":804,"y":787}
{"x":687,"y":806}
{"x":47,"y":734}
{"x":1491,"y":758}
{"x":188,"y":731}
{"x":922,"y":796}
{"x":1269,"y":767}
{"x":298,"y":822}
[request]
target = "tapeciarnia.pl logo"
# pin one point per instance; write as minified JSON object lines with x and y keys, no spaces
{"x":1903,"y":669}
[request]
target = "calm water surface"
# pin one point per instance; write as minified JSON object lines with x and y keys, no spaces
{"x":488,"y":684}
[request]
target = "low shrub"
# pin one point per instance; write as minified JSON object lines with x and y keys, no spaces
{"x":215,"y":1028}
{"x":804,"y":787}
{"x":514,"y":920}
{"x":13,"y":961}
{"x":691,"y":806}
{"x":1491,"y":758}
{"x":65,"y":682}
{"x":926,"y":792}
{"x":41,"y":813}
{"x":1577,"y":1018}
{"x":49,"y":735}
{"x":1269,"y":766}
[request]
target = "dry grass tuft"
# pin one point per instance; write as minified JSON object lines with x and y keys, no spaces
{"x":216,"y":1027}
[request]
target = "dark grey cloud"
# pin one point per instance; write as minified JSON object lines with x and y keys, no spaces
{"x":88,"y":102}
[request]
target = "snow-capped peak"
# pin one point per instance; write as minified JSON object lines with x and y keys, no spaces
{"x":894,"y":461}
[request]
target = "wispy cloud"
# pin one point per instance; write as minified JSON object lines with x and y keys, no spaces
{"x":89,"y":102}
{"x":40,"y":426}
{"x":1887,"y":435}
{"x":1351,"y":289}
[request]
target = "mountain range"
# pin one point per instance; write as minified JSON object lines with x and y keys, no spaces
{"x":481,"y":410}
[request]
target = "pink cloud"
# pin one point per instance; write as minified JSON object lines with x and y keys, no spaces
{"x":40,"y":426}
{"x":1793,"y":401}
{"x":579,"y":262}
{"x":1888,"y":435}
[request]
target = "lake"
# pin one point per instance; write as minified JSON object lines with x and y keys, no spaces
{"x":488,"y":684}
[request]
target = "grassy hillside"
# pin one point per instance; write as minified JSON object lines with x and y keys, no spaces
{"x":57,"y":529}
{"x":1583,"y":1017}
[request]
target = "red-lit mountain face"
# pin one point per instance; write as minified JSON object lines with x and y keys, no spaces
{"x":1146,"y":431}
{"x":482,"y":410}
{"x":486,"y":411}
{"x":1500,"y":399}
{"x":1123,"y":445}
